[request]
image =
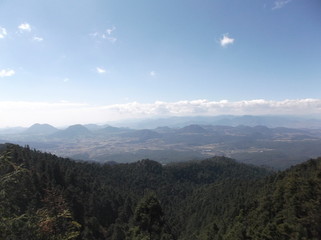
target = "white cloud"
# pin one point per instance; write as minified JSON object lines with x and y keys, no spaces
{"x":152,"y":74}
{"x":25,"y":27}
{"x":110,"y":39}
{"x":280,"y":4}
{"x":110,"y":30}
{"x":66,"y":113}
{"x":6,"y":73}
{"x":94,"y":34}
{"x":3,"y":32}
{"x":107,"y":35}
{"x":37,"y":39}
{"x":100,"y":70}
{"x":226,"y":40}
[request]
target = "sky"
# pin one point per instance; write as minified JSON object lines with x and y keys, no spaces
{"x":64,"y":62}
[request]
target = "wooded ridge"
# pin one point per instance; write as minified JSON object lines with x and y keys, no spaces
{"x":47,"y":197}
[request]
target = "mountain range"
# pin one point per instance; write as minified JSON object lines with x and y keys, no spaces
{"x":271,"y":121}
{"x":277,"y":147}
{"x":179,"y":122}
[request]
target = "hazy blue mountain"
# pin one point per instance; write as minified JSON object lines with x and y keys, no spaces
{"x":114,"y":130}
{"x":194,"y":128}
{"x":12,"y":130}
{"x":93,"y":127}
{"x":278,"y":147}
{"x":41,"y":129}
{"x":226,"y":120}
{"x":163,"y":129}
{"x":74,"y":131}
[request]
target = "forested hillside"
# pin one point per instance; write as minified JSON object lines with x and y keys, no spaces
{"x":43,"y":196}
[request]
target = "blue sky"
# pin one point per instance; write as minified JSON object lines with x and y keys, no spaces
{"x":80,"y":61}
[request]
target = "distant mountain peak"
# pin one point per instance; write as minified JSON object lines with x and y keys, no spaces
{"x":73,"y":131}
{"x":194,"y":128}
{"x":77,"y":126}
{"x":77,"y":129}
{"x":41,"y":129}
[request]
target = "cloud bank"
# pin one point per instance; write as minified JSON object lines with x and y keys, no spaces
{"x":6,"y":73}
{"x":66,"y":113}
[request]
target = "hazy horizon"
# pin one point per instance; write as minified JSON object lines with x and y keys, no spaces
{"x":295,"y":121}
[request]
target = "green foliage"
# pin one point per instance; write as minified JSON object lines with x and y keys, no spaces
{"x":46,"y":197}
{"x":54,"y":219}
{"x":15,"y":193}
{"x":286,"y":207}
{"x":148,"y":220}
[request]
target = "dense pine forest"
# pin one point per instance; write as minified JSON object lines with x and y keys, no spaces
{"x":43,"y":196}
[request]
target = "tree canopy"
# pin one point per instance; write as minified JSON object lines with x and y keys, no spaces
{"x":43,"y":196}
